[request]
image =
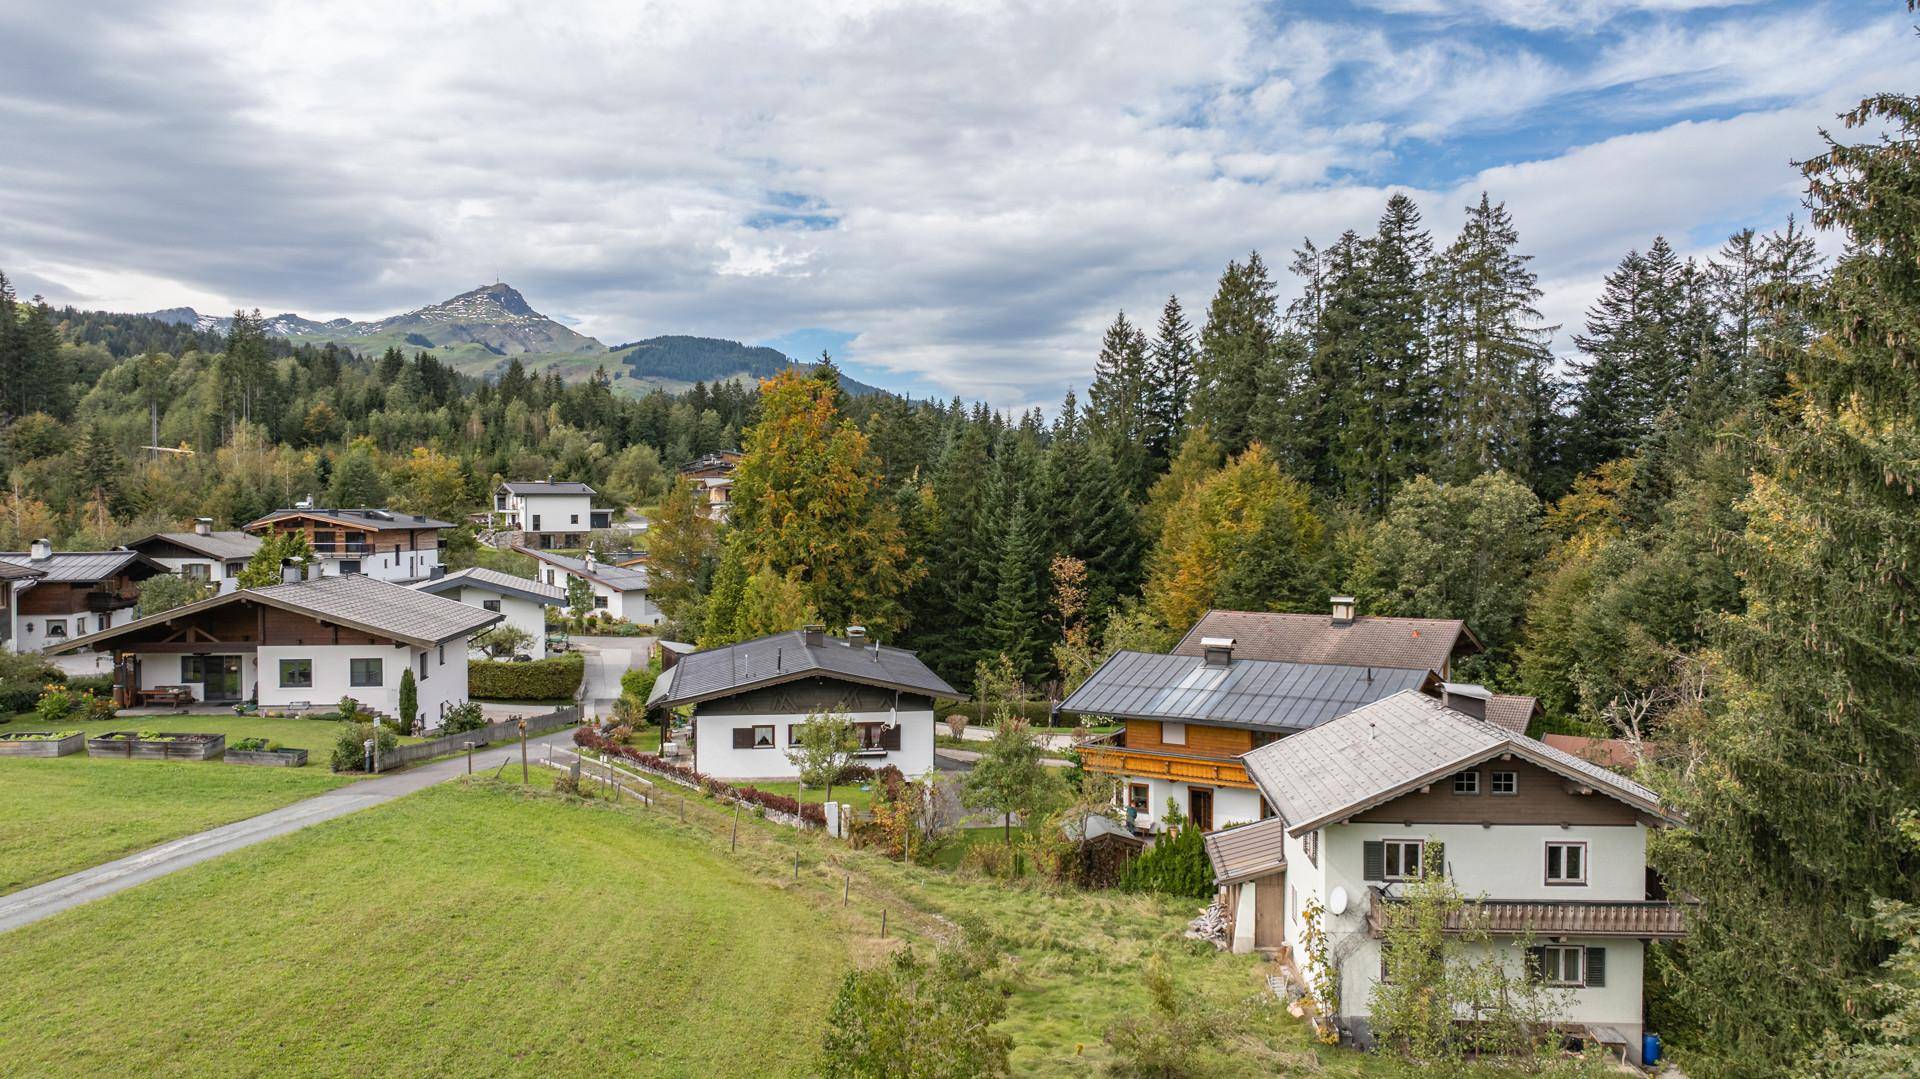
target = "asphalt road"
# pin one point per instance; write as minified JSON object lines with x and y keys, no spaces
{"x":607,"y":658}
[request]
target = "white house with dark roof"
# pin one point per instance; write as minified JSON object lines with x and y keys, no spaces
{"x":551,"y":513}
{"x":382,"y":543}
{"x":215,"y":556}
{"x":621,"y":591}
{"x":750,"y":699}
{"x":305,"y":644}
{"x":56,"y":596}
{"x":521,"y":601}
{"x":1554,"y":847}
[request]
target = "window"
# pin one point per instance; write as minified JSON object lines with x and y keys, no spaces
{"x":56,"y":627}
{"x":1466,"y":783}
{"x":423,"y":667}
{"x":1139,"y":797}
{"x":366,"y":672}
{"x":234,"y":568}
{"x":536,"y":522}
{"x":1562,"y":964}
{"x":1566,"y":863}
{"x":576,"y":519}
{"x":1402,"y":858}
{"x":1506,"y":783}
{"x":600,"y":603}
{"x":443,"y":655}
{"x":196,"y":571}
{"x":490,"y":605}
{"x":1311,"y":844}
{"x":348,"y":566}
{"x":763,"y":737}
{"x":296,"y":674}
{"x":1173,"y":734}
{"x":193,"y":669}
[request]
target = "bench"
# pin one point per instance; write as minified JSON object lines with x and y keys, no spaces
{"x":174,"y":695}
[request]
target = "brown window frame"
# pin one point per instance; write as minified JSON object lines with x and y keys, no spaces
{"x":1140,"y":797}
{"x":1546,"y":864}
{"x":773,"y":736}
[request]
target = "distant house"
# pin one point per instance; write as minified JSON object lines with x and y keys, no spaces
{"x":204,"y":554}
{"x":619,"y":591}
{"x":550,"y":513}
{"x":381,"y":543}
{"x":67,"y":594}
{"x":11,"y":574}
{"x":749,"y":699}
{"x":713,"y":473}
{"x":307,"y":643}
{"x":1368,"y":802}
{"x":521,"y":601}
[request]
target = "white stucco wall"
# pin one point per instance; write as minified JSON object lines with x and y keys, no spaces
{"x":523,"y":614}
{"x":211,"y":570}
{"x":385,"y":565}
{"x":1231,"y":805}
{"x":163,"y":669}
{"x":713,"y":733}
{"x":444,"y":685}
{"x":633,"y":605}
{"x":556,"y":513}
{"x":30,"y":630}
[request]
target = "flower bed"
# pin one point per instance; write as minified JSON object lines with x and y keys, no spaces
{"x":157,"y":746}
{"x":809,"y":812}
{"x":259,"y":751}
{"x":41,"y":743}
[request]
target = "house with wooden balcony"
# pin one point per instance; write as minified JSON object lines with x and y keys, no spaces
{"x":206,"y":554}
{"x":56,"y":596}
{"x":384,"y":544}
{"x":1188,"y":719}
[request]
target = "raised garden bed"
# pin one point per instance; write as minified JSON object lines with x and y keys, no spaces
{"x":41,"y":743}
{"x":259,"y":751}
{"x":157,"y":746}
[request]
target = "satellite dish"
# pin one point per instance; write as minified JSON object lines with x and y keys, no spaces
{"x":1337,"y":900}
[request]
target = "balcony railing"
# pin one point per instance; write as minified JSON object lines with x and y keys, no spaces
{"x":1106,"y":755}
{"x":110,"y":601}
{"x":350,"y":547}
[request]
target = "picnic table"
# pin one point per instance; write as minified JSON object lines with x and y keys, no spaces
{"x":176,"y":695}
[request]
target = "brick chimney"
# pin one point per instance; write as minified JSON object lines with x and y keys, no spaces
{"x":1343,"y":610}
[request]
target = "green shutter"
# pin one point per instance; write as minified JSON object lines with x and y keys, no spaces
{"x":1373,"y":860}
{"x":1434,"y":858}
{"x":1596,"y":967}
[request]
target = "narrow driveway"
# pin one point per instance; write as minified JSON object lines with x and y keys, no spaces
{"x":607,"y":658}
{"x":44,"y":900}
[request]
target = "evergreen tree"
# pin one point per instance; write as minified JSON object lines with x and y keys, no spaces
{"x":1013,"y":626}
{"x":1170,"y":363}
{"x":1639,"y":355}
{"x":244,"y":367}
{"x":1233,"y":373}
{"x":1104,"y":533}
{"x":357,"y":480}
{"x":1119,"y":404}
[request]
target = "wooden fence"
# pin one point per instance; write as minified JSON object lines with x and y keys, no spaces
{"x":506,"y":730}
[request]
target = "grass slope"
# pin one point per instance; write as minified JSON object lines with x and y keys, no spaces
{"x":465,"y":930}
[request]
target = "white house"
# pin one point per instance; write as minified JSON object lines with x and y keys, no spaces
{"x":382,"y":543}
{"x":1552,"y":847}
{"x":549,"y":513}
{"x":749,"y":700}
{"x":204,"y":554}
{"x":621,"y":591}
{"x":56,"y":596}
{"x":521,"y":601}
{"x":305,"y":644}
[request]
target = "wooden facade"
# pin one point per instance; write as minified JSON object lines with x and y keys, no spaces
{"x":1539,"y":797}
{"x":340,"y":538}
{"x":1209,"y":755}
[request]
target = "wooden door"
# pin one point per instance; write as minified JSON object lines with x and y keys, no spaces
{"x":1200,"y":807}
{"x":1270,"y":911}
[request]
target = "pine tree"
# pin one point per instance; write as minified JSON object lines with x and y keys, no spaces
{"x":1104,"y":533}
{"x":1233,"y":377}
{"x":950,"y":601}
{"x":1170,"y":362}
{"x":1119,"y":401}
{"x":1638,"y":355}
{"x":357,"y":480}
{"x":1013,"y":627}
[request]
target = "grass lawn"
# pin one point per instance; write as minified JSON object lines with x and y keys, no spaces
{"x":849,"y":794}
{"x":531,"y":935}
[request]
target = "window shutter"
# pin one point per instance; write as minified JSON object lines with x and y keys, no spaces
{"x":743,"y":738}
{"x":1536,"y":962}
{"x":1596,"y":967}
{"x":1434,"y":858}
{"x":1373,"y":860}
{"x":890,"y":737}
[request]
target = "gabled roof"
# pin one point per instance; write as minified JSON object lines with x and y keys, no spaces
{"x":787,"y":657}
{"x":1418,"y":643}
{"x":618,"y":578}
{"x":1512,"y":712}
{"x":1245,"y":693}
{"x":1247,"y":851}
{"x":226,"y":544}
{"x":493,"y":580}
{"x":367,"y":604}
{"x":11,"y":572}
{"x":1605,"y":752}
{"x":547,"y":487}
{"x":79,"y":567}
{"x":379,"y":520}
{"x":1377,"y":753}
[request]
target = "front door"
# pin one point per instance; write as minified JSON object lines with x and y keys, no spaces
{"x":1200,"y":808}
{"x":1270,"y":911}
{"x":223,"y":678}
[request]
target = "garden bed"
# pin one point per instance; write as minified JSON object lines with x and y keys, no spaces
{"x":271,"y":756}
{"x":157,"y":746}
{"x":41,"y":743}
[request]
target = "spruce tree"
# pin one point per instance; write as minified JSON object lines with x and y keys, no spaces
{"x":1013,"y":626}
{"x":1119,"y":402}
{"x":1233,"y":375}
{"x":1170,"y":360}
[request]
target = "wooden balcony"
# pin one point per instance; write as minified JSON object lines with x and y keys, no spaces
{"x":1117,"y":760}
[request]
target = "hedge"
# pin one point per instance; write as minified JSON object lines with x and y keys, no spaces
{"x":541,"y":680}
{"x":811,"y":812}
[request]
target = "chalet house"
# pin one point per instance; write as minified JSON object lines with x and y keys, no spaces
{"x":58,"y":596}
{"x":303,"y":644}
{"x":204,"y":554}
{"x":1552,"y":846}
{"x":522,"y":602}
{"x":749,"y":699}
{"x":550,"y":514}
{"x":1188,"y":720}
{"x":619,"y":591}
{"x":713,"y":473}
{"x":386,"y":544}
{"x":9,"y":575}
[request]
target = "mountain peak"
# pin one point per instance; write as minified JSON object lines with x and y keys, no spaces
{"x":500,"y":294}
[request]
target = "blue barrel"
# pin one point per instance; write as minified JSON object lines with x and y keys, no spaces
{"x":1650,"y":1049}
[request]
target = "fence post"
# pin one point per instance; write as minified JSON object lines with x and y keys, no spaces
{"x":734,"y":843}
{"x":883,"y":923}
{"x":525,"y":781}
{"x":846,"y":895}
{"x":469,"y":746}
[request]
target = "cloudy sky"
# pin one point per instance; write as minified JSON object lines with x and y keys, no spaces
{"x":955,"y":197}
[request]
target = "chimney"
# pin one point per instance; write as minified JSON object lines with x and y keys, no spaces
{"x":813,"y":636}
{"x":304,"y":504}
{"x":589,"y":562}
{"x":1343,"y":610}
{"x":1218,"y":651}
{"x":856,"y":635}
{"x":203,"y":526}
{"x":41,"y":551}
{"x":1466,"y":698}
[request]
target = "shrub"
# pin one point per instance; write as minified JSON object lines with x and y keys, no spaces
{"x":56,"y":703}
{"x":409,"y":701}
{"x":349,"y":709}
{"x":911,"y":1017}
{"x":1169,"y":1039}
{"x":1176,"y":865}
{"x":255,"y":744}
{"x":462,"y":718}
{"x":349,"y":752}
{"x":638,"y":682}
{"x":542,"y":680}
{"x":100,"y":685}
{"x":95,"y":707}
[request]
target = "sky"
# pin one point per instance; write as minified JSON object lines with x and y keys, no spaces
{"x":954,"y":199}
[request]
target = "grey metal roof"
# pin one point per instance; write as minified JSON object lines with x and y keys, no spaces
{"x":11,"y":572}
{"x":379,"y":520}
{"x":618,"y":578}
{"x":1379,"y":752}
{"x":494,"y":581}
{"x":224,"y":544}
{"x":78,"y":567}
{"x":784,"y":657}
{"x":1248,"y":851}
{"x":548,"y":487}
{"x":1246,"y":693}
{"x":1370,"y":640}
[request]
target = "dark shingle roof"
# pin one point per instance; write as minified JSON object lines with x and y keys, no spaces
{"x":547,"y":487}
{"x":1250,"y":850}
{"x":784,"y":657}
{"x":11,"y":572}
{"x":618,"y":578}
{"x":1512,"y":712}
{"x":493,"y":580}
{"x":379,"y":520}
{"x":79,"y":567}
{"x":225,"y":544}
{"x":1246,"y":693}
{"x":1421,"y":643}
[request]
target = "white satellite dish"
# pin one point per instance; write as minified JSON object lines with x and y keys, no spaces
{"x":1337,"y":900}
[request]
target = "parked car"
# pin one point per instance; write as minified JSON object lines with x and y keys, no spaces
{"x":558,"y":641}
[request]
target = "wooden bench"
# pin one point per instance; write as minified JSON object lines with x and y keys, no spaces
{"x":174,"y":695}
